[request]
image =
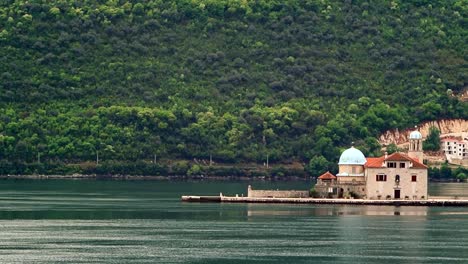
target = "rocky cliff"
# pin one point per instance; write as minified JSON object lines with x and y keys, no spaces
{"x":446,"y":126}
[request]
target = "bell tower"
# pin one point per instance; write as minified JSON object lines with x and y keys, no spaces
{"x":415,"y":146}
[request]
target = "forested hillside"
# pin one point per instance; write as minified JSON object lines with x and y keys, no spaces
{"x":296,"y":80}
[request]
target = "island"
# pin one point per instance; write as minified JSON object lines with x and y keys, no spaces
{"x":396,"y":179}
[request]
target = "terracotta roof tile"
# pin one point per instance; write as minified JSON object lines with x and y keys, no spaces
{"x":327,"y":176}
{"x":452,"y":139}
{"x":397,"y":157}
{"x":374,"y":162}
{"x":377,"y":162}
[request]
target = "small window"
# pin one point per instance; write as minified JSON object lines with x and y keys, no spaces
{"x":414,"y":178}
{"x":381,"y":177}
{"x":397,"y":178}
{"x":391,"y":164}
{"x":402,"y":165}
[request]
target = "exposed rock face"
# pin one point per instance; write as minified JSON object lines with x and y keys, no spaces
{"x":464,"y":95}
{"x":446,"y":126}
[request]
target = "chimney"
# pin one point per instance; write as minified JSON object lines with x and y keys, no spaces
{"x":384,"y":163}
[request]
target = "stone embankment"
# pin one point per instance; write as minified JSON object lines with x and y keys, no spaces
{"x":82,"y":176}
{"x":446,"y":127}
{"x":237,"y":199}
{"x":277,"y":193}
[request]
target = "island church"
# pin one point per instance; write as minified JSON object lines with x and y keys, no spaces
{"x":394,"y":176}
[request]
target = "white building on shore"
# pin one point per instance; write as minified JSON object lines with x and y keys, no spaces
{"x":455,"y":150}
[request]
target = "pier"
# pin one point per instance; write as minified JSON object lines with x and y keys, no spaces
{"x":236,"y":199}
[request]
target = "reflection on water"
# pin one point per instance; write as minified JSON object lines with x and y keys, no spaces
{"x":449,"y":189}
{"x":334,"y":210}
{"x":453,"y":213}
{"x":145,"y":222}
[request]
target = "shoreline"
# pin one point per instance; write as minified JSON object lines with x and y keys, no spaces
{"x":236,"y":199}
{"x":148,"y":178}
{"x":167,"y":178}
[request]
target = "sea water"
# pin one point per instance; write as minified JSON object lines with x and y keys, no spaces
{"x":88,"y":221}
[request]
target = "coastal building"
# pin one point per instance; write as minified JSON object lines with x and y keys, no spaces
{"x":395,"y":176}
{"x":455,"y":150}
{"x":415,"y":150}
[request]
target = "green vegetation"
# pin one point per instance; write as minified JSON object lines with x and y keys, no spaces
{"x":135,"y":81}
{"x":392,"y":148}
{"x":445,"y":173}
{"x":432,"y":141}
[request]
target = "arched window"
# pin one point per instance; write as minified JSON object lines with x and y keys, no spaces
{"x":397,"y":178}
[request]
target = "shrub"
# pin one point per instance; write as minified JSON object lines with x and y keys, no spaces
{"x":313,"y":193}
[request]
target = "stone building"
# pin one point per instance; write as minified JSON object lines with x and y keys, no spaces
{"x":455,"y":150}
{"x":395,"y":176}
{"x":415,"y":150}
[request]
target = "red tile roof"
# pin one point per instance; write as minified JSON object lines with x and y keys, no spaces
{"x":374,"y":162}
{"x":397,"y":157}
{"x":327,"y":176}
{"x":378,"y":162}
{"x":418,"y":165}
{"x":452,"y":139}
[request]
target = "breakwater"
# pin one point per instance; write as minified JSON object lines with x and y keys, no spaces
{"x":277,"y":193}
{"x":237,"y":199}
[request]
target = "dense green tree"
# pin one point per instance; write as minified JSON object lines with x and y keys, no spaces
{"x":392,"y":148}
{"x":432,"y":142}
{"x":236,"y":80}
{"x":461,"y":176}
{"x":445,"y":171}
{"x":317,"y":166}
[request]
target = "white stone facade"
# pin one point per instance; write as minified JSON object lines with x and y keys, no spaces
{"x":396,"y":183}
{"x":454,"y":148}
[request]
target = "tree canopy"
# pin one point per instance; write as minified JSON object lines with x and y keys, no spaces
{"x":232,"y":79}
{"x":432,"y":141}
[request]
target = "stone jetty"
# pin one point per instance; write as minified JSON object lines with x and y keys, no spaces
{"x":432,"y":201}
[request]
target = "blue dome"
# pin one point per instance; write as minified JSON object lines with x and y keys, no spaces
{"x":415,"y":135}
{"x":352,"y":156}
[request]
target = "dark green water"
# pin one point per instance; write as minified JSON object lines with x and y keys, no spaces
{"x":144,"y":222}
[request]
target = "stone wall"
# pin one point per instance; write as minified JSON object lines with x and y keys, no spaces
{"x":386,"y":189}
{"x":461,"y":162}
{"x":277,"y":193}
